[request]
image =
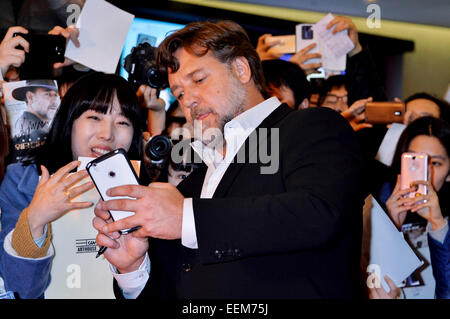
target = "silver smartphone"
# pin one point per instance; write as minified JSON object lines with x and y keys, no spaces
{"x":111,"y":170}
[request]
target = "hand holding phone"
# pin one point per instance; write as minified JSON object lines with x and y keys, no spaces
{"x":111,"y":170}
{"x":304,"y":38}
{"x":385,"y":112}
{"x":44,"y":51}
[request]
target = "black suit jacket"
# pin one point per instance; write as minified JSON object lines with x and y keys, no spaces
{"x":292,"y":234}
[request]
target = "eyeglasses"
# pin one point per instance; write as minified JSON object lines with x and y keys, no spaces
{"x":331,"y":98}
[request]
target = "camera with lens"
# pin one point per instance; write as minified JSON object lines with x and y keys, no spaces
{"x":44,"y":51}
{"x":158,"y":157}
{"x":157,"y":153}
{"x":158,"y":148}
{"x":142,"y":68}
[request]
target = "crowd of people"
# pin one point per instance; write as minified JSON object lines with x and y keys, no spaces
{"x":231,"y":224}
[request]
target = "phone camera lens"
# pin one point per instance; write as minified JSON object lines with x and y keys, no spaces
{"x":112,"y":174}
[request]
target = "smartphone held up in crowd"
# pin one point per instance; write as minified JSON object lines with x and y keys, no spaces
{"x":414,"y":167}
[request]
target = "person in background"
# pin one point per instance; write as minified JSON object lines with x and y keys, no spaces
{"x":287,"y":81}
{"x":424,"y":104}
{"x":431,"y":136}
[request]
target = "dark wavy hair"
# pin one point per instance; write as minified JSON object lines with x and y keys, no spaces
{"x":429,"y":126}
{"x":94,"y":91}
{"x":226,"y":39}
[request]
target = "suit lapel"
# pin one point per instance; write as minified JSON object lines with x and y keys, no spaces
{"x":192,"y":185}
{"x":250,"y":148}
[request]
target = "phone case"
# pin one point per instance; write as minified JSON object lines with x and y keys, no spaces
{"x":111,"y":170}
{"x":304,"y":37}
{"x":286,"y":45}
{"x":414,"y":167}
{"x":385,"y":112}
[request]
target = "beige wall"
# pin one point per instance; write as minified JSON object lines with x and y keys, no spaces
{"x":425,"y":69}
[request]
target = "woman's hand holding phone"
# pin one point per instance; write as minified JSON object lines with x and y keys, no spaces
{"x":428,"y":206}
{"x":398,"y":204}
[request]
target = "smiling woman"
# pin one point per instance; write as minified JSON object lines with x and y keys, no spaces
{"x":98,"y":114}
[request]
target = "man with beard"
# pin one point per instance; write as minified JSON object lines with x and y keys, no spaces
{"x":30,"y":130}
{"x":236,"y":227}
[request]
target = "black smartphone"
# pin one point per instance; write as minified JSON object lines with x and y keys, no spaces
{"x":111,"y":170}
{"x":44,"y":51}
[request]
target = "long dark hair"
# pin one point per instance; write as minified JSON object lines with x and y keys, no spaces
{"x":429,"y":126}
{"x":3,"y":146}
{"x":95,"y":91}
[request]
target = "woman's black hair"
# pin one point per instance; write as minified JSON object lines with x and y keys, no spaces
{"x":429,"y":126}
{"x":444,"y":106}
{"x":94,"y":91}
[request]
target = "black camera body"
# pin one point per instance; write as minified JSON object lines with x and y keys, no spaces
{"x":44,"y":51}
{"x":142,"y":68}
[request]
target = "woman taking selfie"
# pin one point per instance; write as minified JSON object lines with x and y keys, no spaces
{"x":430,"y":136}
{"x":98,"y":114}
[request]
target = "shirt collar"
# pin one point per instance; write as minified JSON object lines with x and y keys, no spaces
{"x":244,"y":122}
{"x":253,"y":117}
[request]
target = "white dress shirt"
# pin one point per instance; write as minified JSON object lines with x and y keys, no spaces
{"x":235,"y":133}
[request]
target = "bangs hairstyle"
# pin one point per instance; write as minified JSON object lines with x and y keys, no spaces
{"x":227,"y":41}
{"x":95,"y":91}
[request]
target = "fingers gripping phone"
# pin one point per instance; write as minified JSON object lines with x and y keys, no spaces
{"x":44,"y":51}
{"x":111,"y":170}
{"x":414,"y":167}
{"x":305,"y":37}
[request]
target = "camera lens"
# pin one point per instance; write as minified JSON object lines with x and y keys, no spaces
{"x":158,"y":148}
{"x":155,"y":79}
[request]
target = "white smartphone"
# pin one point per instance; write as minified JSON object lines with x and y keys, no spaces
{"x":111,"y":170}
{"x":304,"y":37}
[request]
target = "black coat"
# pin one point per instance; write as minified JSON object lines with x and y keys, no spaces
{"x":292,"y":234}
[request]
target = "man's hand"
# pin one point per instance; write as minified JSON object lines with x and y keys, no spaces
{"x":158,"y":210}
{"x":302,"y":56}
{"x":124,"y":251}
{"x":343,"y":23}
{"x":71,"y":33}
{"x":9,"y":55}
{"x":262,"y":48}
